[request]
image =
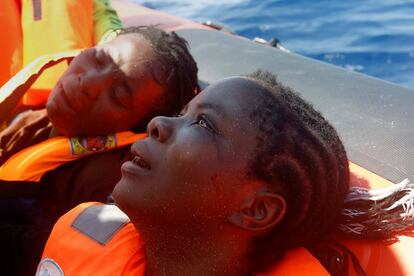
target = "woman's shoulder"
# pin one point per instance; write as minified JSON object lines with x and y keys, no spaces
{"x":94,"y":237}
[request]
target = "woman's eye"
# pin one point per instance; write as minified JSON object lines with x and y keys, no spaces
{"x":202,"y":123}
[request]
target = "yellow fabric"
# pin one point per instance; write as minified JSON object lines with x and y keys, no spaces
{"x":51,"y":26}
{"x":31,"y":163}
{"x":47,"y":27}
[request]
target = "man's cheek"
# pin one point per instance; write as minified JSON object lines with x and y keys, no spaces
{"x":50,"y":104}
{"x":52,"y":109}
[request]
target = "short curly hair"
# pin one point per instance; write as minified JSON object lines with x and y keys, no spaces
{"x":179,"y":69}
{"x":299,"y":151}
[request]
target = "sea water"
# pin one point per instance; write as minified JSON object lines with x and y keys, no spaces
{"x":374,"y":37}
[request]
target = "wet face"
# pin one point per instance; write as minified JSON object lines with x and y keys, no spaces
{"x":106,"y":89}
{"x":191,"y":170}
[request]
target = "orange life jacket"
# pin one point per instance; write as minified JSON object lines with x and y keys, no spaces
{"x":379,"y":257}
{"x":96,"y":239}
{"x":11,"y":43}
{"x":31,"y":163}
{"x":50,"y":26}
{"x":375,"y":257}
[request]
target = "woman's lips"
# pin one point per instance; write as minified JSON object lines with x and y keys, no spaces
{"x":137,"y":166}
{"x":138,"y":160}
{"x":132,"y":168}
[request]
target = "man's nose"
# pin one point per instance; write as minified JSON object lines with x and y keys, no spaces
{"x":94,"y":82}
{"x":161,"y":128}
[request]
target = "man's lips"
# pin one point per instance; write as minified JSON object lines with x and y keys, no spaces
{"x":63,"y":101}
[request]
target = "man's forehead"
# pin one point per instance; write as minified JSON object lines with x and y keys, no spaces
{"x":133,"y":55}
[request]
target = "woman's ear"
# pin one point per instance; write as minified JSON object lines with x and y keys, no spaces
{"x":262,"y":211}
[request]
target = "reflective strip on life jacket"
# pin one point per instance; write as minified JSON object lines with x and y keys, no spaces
{"x":31,"y":163}
{"x":51,"y":26}
{"x":100,"y":222}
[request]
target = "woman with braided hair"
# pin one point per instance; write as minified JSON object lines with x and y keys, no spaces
{"x":228,"y":187}
{"x":310,"y":162}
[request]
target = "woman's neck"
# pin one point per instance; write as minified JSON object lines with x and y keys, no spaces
{"x":183,"y":254}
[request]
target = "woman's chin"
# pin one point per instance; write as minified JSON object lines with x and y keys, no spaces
{"x":120,"y":194}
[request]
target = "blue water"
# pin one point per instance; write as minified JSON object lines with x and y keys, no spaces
{"x":375,"y":37}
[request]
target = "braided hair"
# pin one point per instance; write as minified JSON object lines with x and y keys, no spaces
{"x":179,"y":70}
{"x":300,"y":153}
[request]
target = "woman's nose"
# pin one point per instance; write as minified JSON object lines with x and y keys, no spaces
{"x":160,"y":128}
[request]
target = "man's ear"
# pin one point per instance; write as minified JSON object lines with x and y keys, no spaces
{"x":262,"y":211}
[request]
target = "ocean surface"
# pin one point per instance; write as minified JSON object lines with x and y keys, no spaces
{"x":374,"y":37}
